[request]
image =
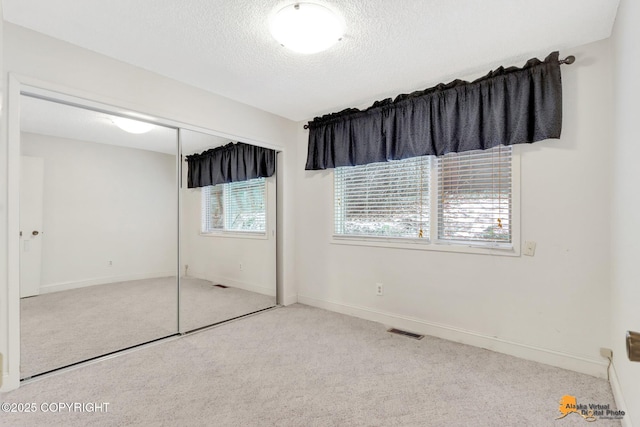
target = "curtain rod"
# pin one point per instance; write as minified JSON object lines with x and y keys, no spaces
{"x":568,"y":60}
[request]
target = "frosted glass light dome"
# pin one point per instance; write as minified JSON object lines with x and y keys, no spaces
{"x":131,"y":126}
{"x":306,"y":27}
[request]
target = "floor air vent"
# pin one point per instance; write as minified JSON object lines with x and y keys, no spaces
{"x":220,"y":286}
{"x":406,"y":333}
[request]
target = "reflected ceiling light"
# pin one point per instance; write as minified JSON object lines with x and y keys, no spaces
{"x":131,"y":126}
{"x":306,"y":27}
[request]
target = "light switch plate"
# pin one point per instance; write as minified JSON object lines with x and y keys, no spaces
{"x":529,"y":248}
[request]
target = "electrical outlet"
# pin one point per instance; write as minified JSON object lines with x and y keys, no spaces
{"x":529,"y":248}
{"x":110,"y":263}
{"x":240,"y":266}
{"x":606,"y":352}
{"x":379,"y":289}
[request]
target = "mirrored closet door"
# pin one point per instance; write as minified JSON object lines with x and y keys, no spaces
{"x":228,"y":235}
{"x":99,"y":234}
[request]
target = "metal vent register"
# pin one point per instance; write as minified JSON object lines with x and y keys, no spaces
{"x":405,"y":333}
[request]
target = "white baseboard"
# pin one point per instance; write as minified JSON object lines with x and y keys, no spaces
{"x":290,"y":299}
{"x":251,"y":287}
{"x":8,"y":383}
{"x":558,"y":359}
{"x":65,"y":286}
{"x":618,"y":396}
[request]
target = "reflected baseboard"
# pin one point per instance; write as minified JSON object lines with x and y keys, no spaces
{"x":251,"y":287}
{"x":65,"y":286}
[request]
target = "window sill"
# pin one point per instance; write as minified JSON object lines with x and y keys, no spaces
{"x":425,"y":245}
{"x":235,"y":235}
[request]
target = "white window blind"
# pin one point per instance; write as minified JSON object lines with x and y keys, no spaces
{"x":212,"y":208}
{"x":245,"y":205}
{"x":383,"y":199}
{"x":474,"y":196}
{"x":236,"y":206}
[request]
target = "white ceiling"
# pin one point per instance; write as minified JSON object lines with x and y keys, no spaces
{"x":390,"y":47}
{"x":64,"y":121}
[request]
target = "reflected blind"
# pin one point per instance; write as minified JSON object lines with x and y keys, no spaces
{"x":245,"y":205}
{"x":474,"y":196}
{"x":236,"y":206}
{"x":212,"y":208}
{"x":389,"y":199}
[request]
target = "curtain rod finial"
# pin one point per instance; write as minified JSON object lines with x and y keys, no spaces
{"x":306,"y":126}
{"x":568,"y":60}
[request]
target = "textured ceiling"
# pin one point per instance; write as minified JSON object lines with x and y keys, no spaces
{"x":390,"y":47}
{"x":64,"y":121}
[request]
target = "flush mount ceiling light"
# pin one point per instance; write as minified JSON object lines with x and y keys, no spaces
{"x":131,"y":126}
{"x":306,"y":27}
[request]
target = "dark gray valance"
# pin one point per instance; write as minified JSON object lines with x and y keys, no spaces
{"x":507,"y":106}
{"x":230,"y":163}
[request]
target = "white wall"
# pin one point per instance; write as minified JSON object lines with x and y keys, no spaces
{"x":218,"y":257}
{"x":4,"y":306}
{"x":625,"y":285}
{"x":104,"y":203}
{"x":553,"y":307}
{"x":83,"y":73}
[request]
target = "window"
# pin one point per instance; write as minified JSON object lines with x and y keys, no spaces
{"x":236,"y":206}
{"x":474,"y":196}
{"x":383,"y":199}
{"x":463,"y":198}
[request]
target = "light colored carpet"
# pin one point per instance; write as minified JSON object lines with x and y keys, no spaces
{"x":62,"y":328}
{"x":301,"y":366}
{"x":204,"y":304}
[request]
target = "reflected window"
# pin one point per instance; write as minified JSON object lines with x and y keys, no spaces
{"x":236,"y":206}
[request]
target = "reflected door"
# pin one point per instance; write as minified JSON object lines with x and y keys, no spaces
{"x":31,"y":195}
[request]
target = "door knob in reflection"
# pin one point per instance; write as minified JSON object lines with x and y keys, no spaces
{"x":633,"y":346}
{"x":35,"y":232}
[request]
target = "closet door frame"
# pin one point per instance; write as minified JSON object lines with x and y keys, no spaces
{"x":17,"y":86}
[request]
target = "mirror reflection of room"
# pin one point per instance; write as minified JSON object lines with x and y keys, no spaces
{"x":98,"y":247}
{"x":228,"y":238}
